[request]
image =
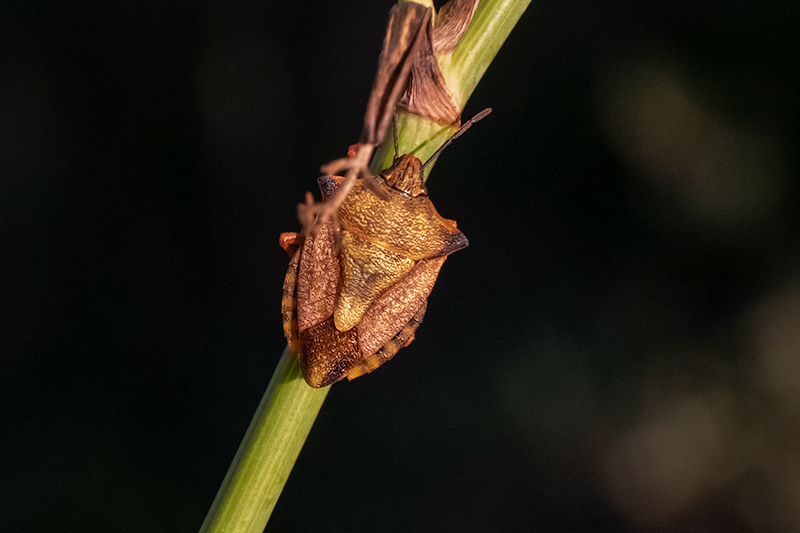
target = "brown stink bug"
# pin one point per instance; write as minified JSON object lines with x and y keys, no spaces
{"x":369,"y":254}
{"x":348,"y":310}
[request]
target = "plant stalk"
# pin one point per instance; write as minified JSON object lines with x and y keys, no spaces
{"x":267,"y":453}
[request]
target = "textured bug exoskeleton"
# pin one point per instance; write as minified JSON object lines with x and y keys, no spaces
{"x":346,"y":313}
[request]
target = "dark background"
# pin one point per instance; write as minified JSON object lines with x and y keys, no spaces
{"x":617,"y":350}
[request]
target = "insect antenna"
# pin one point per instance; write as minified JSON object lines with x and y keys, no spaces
{"x":394,"y":132}
{"x":464,"y":127}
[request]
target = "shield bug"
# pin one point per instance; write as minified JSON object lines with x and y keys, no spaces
{"x":347,"y":310}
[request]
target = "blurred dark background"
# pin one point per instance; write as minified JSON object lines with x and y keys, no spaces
{"x":617,"y":350}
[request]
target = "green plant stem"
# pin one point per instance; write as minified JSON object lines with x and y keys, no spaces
{"x":267,"y":453}
{"x":284,"y":418}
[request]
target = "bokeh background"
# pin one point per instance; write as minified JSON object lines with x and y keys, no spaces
{"x":617,"y":350}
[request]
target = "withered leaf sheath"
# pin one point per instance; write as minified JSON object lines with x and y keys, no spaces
{"x":427,"y":93}
{"x":347,"y":313}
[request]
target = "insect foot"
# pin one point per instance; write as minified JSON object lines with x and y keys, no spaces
{"x":348,"y":310}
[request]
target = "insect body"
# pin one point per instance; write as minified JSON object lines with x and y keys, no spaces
{"x":346,"y":313}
